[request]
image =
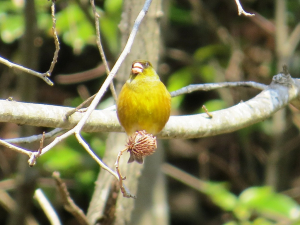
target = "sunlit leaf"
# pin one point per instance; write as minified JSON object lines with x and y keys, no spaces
{"x":177,"y":80}
{"x":74,"y":27}
{"x":265,"y":200}
{"x":221,"y":196}
{"x":12,"y":27}
{"x":113,"y":8}
{"x":214,"y":105}
{"x":209,"y":51}
{"x":63,"y":159}
{"x":207,"y":73}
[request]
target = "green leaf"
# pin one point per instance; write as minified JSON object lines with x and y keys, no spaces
{"x":113,"y":8}
{"x":204,"y":53}
{"x":207,"y":73}
{"x":180,"y":15}
{"x":214,"y":105}
{"x":109,"y":29}
{"x":62,"y":158}
{"x":12,"y":27}
{"x":265,"y":201}
{"x":74,"y":27}
{"x":221,"y":196}
{"x":86,"y":177}
{"x":177,"y":80}
{"x":262,"y":221}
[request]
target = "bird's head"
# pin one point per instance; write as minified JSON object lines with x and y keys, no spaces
{"x":142,"y":69}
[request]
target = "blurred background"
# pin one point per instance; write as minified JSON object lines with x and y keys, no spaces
{"x":251,"y":176}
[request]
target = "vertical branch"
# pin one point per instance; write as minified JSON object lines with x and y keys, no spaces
{"x":56,"y":42}
{"x":27,"y":87}
{"x":100,"y":47}
{"x":146,"y":47}
{"x":272,"y":174}
{"x":68,"y":201}
{"x":47,"y":207}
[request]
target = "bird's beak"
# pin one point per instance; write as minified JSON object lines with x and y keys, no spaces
{"x":137,"y":68}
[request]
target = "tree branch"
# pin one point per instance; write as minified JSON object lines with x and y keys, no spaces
{"x":213,"y":86}
{"x":100,"y":47}
{"x":241,"y":10}
{"x":43,"y":76}
{"x":279,"y":93}
{"x":68,"y":201}
{"x":46,"y":206}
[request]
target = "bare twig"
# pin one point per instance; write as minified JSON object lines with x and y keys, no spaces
{"x":15,"y":148}
{"x":116,"y":66}
{"x":41,"y":145}
{"x":6,"y":201}
{"x":100,"y":47}
{"x":43,"y":76}
{"x":212,"y":86}
{"x":68,"y":202}
{"x":80,"y":77}
{"x":205,"y":109}
{"x":121,"y":178}
{"x":293,"y":41}
{"x":83,"y":104}
{"x":47,"y":207}
{"x":241,"y":10}
{"x":34,"y":138}
{"x":184,"y":177}
{"x":56,"y":42}
{"x":94,"y":156}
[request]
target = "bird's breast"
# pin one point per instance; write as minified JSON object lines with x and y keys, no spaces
{"x":143,"y":107}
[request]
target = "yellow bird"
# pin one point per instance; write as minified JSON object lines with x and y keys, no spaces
{"x":144,"y":102}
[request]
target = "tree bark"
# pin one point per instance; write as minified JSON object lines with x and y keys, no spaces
{"x":107,"y":205}
{"x":27,"y":86}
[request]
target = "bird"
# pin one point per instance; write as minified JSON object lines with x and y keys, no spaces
{"x":144,"y":103}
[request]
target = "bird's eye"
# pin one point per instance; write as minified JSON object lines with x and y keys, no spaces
{"x":146,"y":64}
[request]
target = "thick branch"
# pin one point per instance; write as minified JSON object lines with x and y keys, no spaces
{"x":244,"y":114}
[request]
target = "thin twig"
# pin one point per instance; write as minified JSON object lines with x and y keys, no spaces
{"x":56,"y":42}
{"x":124,"y":191}
{"x":184,"y":177}
{"x":80,"y":77}
{"x":212,"y":86}
{"x":43,"y":76}
{"x":100,"y":47}
{"x":83,"y":104}
{"x":241,"y":10}
{"x":41,"y":145}
{"x":47,"y":207}
{"x":293,"y":40}
{"x":33,"y":157}
{"x":68,"y":202}
{"x":34,"y":138}
{"x":6,"y":201}
{"x":94,"y":156}
{"x":15,"y":148}
{"x":205,"y":109}
{"x":116,"y":67}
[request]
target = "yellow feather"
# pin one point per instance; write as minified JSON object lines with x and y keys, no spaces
{"x":144,"y":103}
